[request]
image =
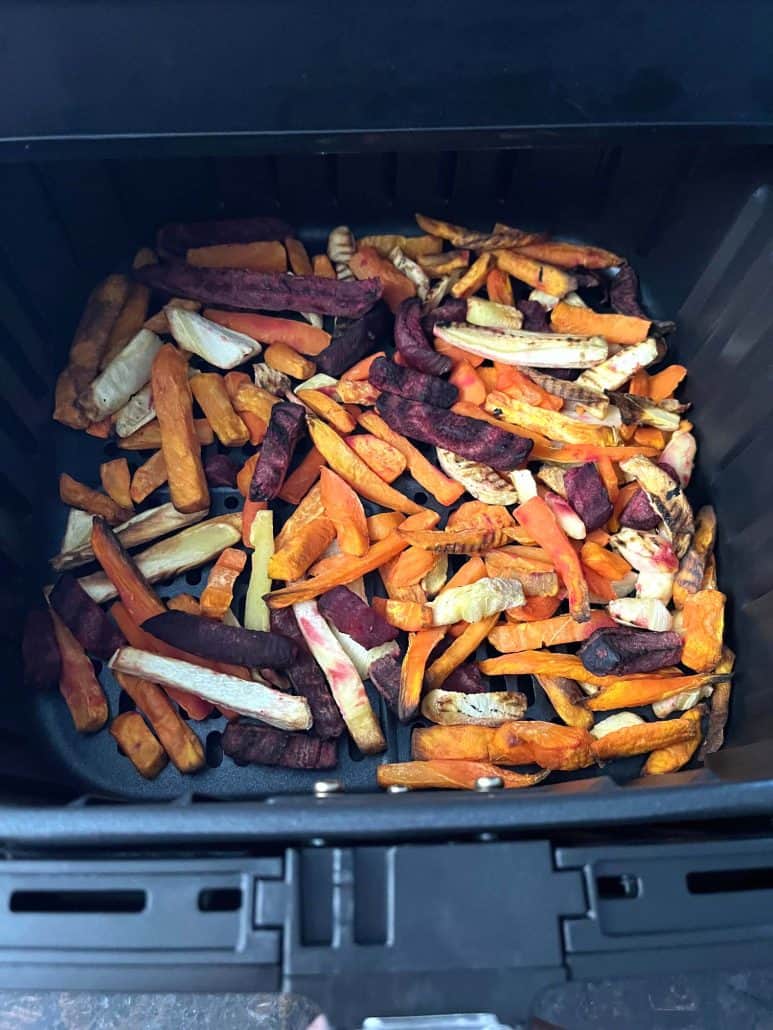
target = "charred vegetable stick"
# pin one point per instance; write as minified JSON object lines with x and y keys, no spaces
{"x":209,"y":390}
{"x":269,"y":330}
{"x":531,"y":636}
{"x":474,"y":278}
{"x":116,"y":479}
{"x":78,"y":684}
{"x":263,"y":256}
{"x":551,"y":424}
{"x":567,"y":700}
{"x":443,"y":775}
{"x":503,"y":235}
{"x":623,"y":329}
{"x":299,"y":482}
{"x":343,"y":460}
{"x":246,"y":698}
{"x":639,"y":739}
{"x":537,"y":274}
{"x":293,"y":558}
{"x":328,"y":409}
{"x":674,"y":756}
{"x":540,"y":522}
{"x":138,"y":744}
{"x":420,"y":646}
{"x":720,"y":703}
{"x":148,"y":437}
{"x":182,"y":451}
{"x":461,"y":649}
{"x":283,"y":358}
{"x":217,"y":595}
{"x":450,"y":708}
{"x":666,"y":498}
{"x":149,"y":477}
{"x":520,"y":347}
{"x":178,"y":739}
{"x":78,"y":495}
{"x":344,"y":681}
{"x":689,"y":578}
{"x":462,"y":541}
{"x":368,"y":264}
{"x":194,"y":546}
{"x":414,"y":247}
{"x":618,"y":369}
{"x":446,"y":265}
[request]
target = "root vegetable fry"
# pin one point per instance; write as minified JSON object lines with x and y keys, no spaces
{"x":116,"y":479}
{"x":412,"y":343}
{"x":293,"y":558}
{"x":536,"y":608}
{"x":298,"y":257}
{"x":475,"y":601}
{"x":256,"y":614}
{"x":385,"y":460}
{"x":414,"y":247}
{"x":133,"y":313}
{"x":352,"y":616}
{"x":244,"y":697}
{"x":40,"y":651}
{"x":605,"y":563}
{"x":566,"y":698}
{"x":78,"y":684}
{"x":702,"y":627}
{"x":299,"y":482}
{"x":551,"y":424}
{"x":328,"y":409}
{"x":634,"y":692}
{"x":618,"y":368}
{"x":537,"y":274}
{"x":178,"y":739}
{"x":550,"y":745}
{"x":689,"y":578}
{"x":78,"y":495}
{"x":148,"y":437}
{"x":420,"y":646}
{"x":350,"y":391}
{"x":382,"y":525}
{"x":209,"y":390}
{"x":620,"y":651}
{"x":284,"y":430}
{"x":588,"y":496}
{"x":368,"y":264}
{"x":259,"y":745}
{"x":181,"y":448}
{"x":220,"y":471}
{"x":570,"y":255}
{"x":262,"y":256}
{"x":177,"y":238}
{"x":361,"y":369}
{"x":282,"y":358}
{"x":343,"y":460}
{"x":344,"y":508}
{"x":342,"y":677}
{"x":474,"y":278}
{"x":217,"y":595}
{"x":444,"y":775}
{"x":246,"y":397}
{"x":139,"y":598}
{"x":462,"y":541}
{"x":720,"y":705}
{"x":137,"y":412}
{"x":101,"y":430}
{"x":309,"y":508}
{"x":66,"y":410}
{"x":461,"y":649}
{"x":88,"y":623}
{"x":540,"y":522}
{"x":269,"y":330}
{"x":663,"y":384}
{"x":148,"y":477}
{"x":531,"y":636}
{"x":410,"y":567}
{"x":498,"y":287}
{"x":672,"y":757}
{"x":138,"y":744}
{"x":458,"y":743}
{"x":184,"y":603}
{"x":410,"y":616}
{"x":126,"y":374}
{"x":450,"y":708}
{"x":321,"y":266}
{"x":644,"y":737}
{"x":222,"y":641}
{"x":411,"y":384}
{"x":622,"y":329}
{"x":468,"y":383}
{"x":443,"y":489}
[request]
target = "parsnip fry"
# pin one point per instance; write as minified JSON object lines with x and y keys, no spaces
{"x":451,"y":708}
{"x":127,"y":373}
{"x":182,"y":451}
{"x":256,"y":614}
{"x":138,"y":744}
{"x":551,"y":424}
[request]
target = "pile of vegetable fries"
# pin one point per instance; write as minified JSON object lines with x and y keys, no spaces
{"x":468,"y":367}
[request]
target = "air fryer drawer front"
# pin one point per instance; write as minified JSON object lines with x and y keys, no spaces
{"x":395,"y":930}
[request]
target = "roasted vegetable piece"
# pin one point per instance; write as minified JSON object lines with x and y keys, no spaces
{"x":443,"y":775}
{"x":463,"y":646}
{"x":78,"y":684}
{"x":222,"y":643}
{"x":449,"y":708}
{"x":284,"y":431}
{"x":530,"y":636}
{"x":218,"y":594}
{"x":209,"y":390}
{"x":413,"y":345}
{"x":220,"y":470}
{"x":462,"y":541}
{"x":385,"y":677}
{"x":501,"y":450}
{"x":368,"y":265}
{"x":476,"y":601}
{"x":702,"y":627}
{"x":116,"y":480}
{"x":550,"y":745}
{"x":344,"y":508}
{"x":622,"y":329}
{"x":78,"y":495}
{"x":551,"y":424}
{"x":178,"y":739}
{"x":353,"y":342}
{"x":386,"y":375}
{"x":672,"y":757}
{"x":351,"y":615}
{"x":88,"y":623}
{"x":40,"y":651}
{"x":646,"y":690}
{"x":624,"y":292}
{"x":666,"y":497}
{"x":535,"y":316}
{"x":644,"y":737}
{"x":260,"y":256}
{"x":248,"y":744}
{"x":621,"y":651}
{"x":303,"y":548}
{"x":420,"y":646}
{"x":720,"y":705}
{"x":639,"y":514}
{"x":689,"y":578}
{"x":177,"y":238}
{"x":521,"y":347}
{"x":138,"y":744}
{"x":466,"y":680}
{"x":567,"y":699}
{"x":536,"y":517}
{"x":237,"y":288}
{"x":587,"y":494}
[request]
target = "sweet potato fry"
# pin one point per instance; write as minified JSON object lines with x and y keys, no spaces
{"x":344,"y":508}
{"x":531,"y":636}
{"x":299,"y":482}
{"x":623,"y":329}
{"x":116,"y":478}
{"x":182,"y":451}
{"x":148,"y":477}
{"x":635,"y":691}
{"x":328,"y":409}
{"x":551,"y":746}
{"x":638,"y":740}
{"x":537,"y":580}
{"x":321,"y":266}
{"x":178,"y":739}
{"x":184,"y":603}
{"x":293,"y":558}
{"x":367,"y":264}
{"x":134,"y":312}
{"x":101,"y":430}
{"x":443,"y":775}
{"x":604,"y":562}
{"x":262,"y":256}
{"x":566,"y":698}
{"x":410,"y":567}
{"x":703,"y":625}
{"x":456,"y":354}
{"x":539,"y":275}
{"x":385,"y":460}
{"x":498,"y":287}
{"x":246,"y":397}
{"x":570,"y":255}
{"x":475,"y":276}
{"x":138,"y":744}
{"x":673,"y":756}
{"x":502,"y":236}
{"x":461,"y":649}
{"x":148,"y":437}
{"x":414,"y":247}
{"x":284,"y":359}
{"x":410,"y":616}
{"x":298,"y":257}
{"x":353,"y":391}
{"x":78,"y":684}
{"x":382,"y":525}
{"x":459,"y":743}
{"x":138,"y":596}
{"x":269,"y":330}
{"x":360,"y":370}
{"x":244,"y":475}
{"x":217,"y":595}
{"x":537,"y":608}
{"x":209,"y":390}
{"x":78,"y":495}
{"x":663,"y":384}
{"x":540,"y":522}
{"x":471,"y":387}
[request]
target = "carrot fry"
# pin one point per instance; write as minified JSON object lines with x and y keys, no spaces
{"x":101,"y":429}
{"x":244,"y":475}
{"x":367,"y":263}
{"x":663,"y":384}
{"x":445,"y":490}
{"x":649,"y":437}
{"x":623,"y":329}
{"x":536,"y":609}
{"x":290,"y":561}
{"x":182,"y":451}
{"x":461,"y":649}
{"x":498,"y":287}
{"x":531,"y":636}
{"x":540,"y":522}
{"x":420,"y":646}
{"x":148,"y":437}
{"x":138,"y":744}
{"x":303,"y":478}
{"x":474,"y":278}
{"x":443,"y":775}
{"x":184,"y":603}
{"x":634,"y":692}
{"x":360,"y":370}
{"x":411,"y":567}
{"x":209,"y":390}
{"x":538,"y":275}
{"x":703,"y":624}
{"x":298,"y":257}
{"x":137,"y":594}
{"x":672,"y":757}
{"x":178,"y":739}
{"x":78,"y":495}
{"x":458,"y":743}
{"x":309,"y":508}
{"x":283,"y":358}
{"x":78,"y":684}
{"x":646,"y":736}
{"x":256,"y":427}
{"x":567,"y":699}
{"x":380,"y":526}
{"x":321,"y":266}
{"x":343,"y":460}
{"x":328,"y":409}
{"x":148,"y":477}
{"x":116,"y":479}
{"x":344,"y":508}
{"x":609,"y":477}
{"x":456,"y":354}
{"x":249,"y":510}
{"x":385,"y":460}
{"x":570,"y":255}
{"x":469,"y":384}
{"x":605,"y":563}
{"x":462,"y":541}
{"x":269,"y":330}
{"x":218,"y":594}
{"x":263,"y":256}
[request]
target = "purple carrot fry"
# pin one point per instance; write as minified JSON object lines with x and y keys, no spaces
{"x":453,"y":309}
{"x":621,"y":651}
{"x":535,"y":317}
{"x":177,"y":238}
{"x":248,"y":744}
{"x":246,"y":290}
{"x":460,"y":434}
{"x":220,"y":471}
{"x":414,"y":345}
{"x":221,"y":643}
{"x":639,"y":513}
{"x":587,"y":494}
{"x":467,"y":679}
{"x":94,"y":630}
{"x":624,"y":293}
{"x":350,"y":614}
{"x":40,"y":651}
{"x":307,"y":678}
{"x":414,"y":386}
{"x":284,"y":430}
{"x":356,"y":341}
{"x":385,"y":676}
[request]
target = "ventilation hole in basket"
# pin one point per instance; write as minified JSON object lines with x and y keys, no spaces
{"x":214,"y":749}
{"x":420,"y":497}
{"x":125,"y":703}
{"x":111,"y":450}
{"x":193,"y":577}
{"x":231,"y":502}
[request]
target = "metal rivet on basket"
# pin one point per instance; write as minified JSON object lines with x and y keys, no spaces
{"x":324,"y":788}
{"x":398,"y":788}
{"x":487,"y":783}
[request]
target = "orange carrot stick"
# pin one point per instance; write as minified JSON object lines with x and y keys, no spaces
{"x":609,"y":477}
{"x":148,"y":477}
{"x":420,"y":645}
{"x":499,"y":287}
{"x":531,"y":636}
{"x":218,"y":594}
{"x":469,"y":384}
{"x":385,"y":460}
{"x":605,"y":563}
{"x":263,"y":256}
{"x":663,"y":384}
{"x":302,"y":337}
{"x":536,"y":517}
{"x":360,"y":370}
{"x":344,"y":509}
{"x":623,"y":329}
{"x":305,"y":476}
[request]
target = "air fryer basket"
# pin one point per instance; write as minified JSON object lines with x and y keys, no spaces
{"x":697,"y":225}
